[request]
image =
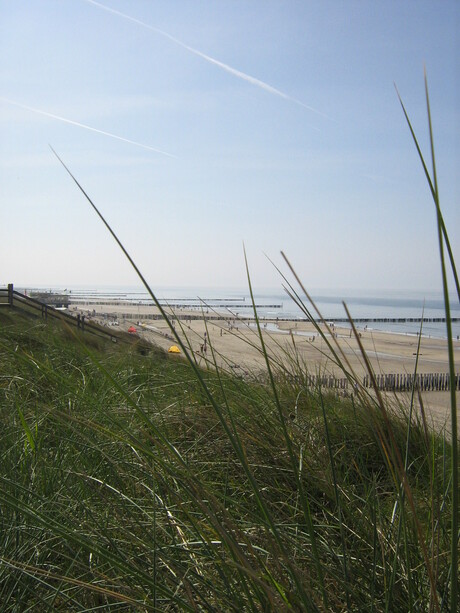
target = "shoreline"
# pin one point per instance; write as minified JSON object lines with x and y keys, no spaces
{"x":236,"y":346}
{"x":121,"y":309}
{"x":386,"y":311}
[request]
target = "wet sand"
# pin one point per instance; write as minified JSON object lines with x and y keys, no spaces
{"x":236,"y":345}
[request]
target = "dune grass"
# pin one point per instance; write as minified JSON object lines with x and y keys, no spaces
{"x":136,"y":481}
{"x":133,"y":495}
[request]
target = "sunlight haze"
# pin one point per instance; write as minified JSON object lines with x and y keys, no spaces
{"x":197,"y":127}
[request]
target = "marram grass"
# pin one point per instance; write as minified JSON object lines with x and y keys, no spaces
{"x":135,"y":498}
{"x":136,"y":482}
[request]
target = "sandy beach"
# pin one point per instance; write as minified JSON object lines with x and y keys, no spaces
{"x":236,"y":345}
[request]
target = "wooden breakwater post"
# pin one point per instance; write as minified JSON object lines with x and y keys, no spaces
{"x":394,"y":382}
{"x":425,"y":382}
{"x":326,"y":381}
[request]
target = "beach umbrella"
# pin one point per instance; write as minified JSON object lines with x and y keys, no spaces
{"x":174,"y":349}
{"x":132,"y":330}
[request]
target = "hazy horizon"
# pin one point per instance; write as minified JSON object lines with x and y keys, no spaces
{"x":333,"y":292}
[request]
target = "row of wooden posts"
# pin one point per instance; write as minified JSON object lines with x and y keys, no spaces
{"x":426,"y":382}
{"x":392,"y":382}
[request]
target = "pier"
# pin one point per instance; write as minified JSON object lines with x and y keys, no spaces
{"x":215,"y":304}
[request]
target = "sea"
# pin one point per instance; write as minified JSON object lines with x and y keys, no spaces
{"x":365,"y":306}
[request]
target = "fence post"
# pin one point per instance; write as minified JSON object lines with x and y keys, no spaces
{"x":10,"y":294}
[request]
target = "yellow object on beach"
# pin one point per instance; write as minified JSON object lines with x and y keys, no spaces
{"x":174,"y":349}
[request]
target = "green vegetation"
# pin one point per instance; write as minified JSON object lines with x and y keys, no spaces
{"x":123,"y":488}
{"x":133,"y":480}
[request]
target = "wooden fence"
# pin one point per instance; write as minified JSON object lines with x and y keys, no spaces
{"x":9,"y":297}
{"x":426,"y":382}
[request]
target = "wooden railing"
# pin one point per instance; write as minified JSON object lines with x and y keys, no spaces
{"x":11,"y":298}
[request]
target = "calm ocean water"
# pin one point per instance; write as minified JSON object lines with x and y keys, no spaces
{"x":274,"y":303}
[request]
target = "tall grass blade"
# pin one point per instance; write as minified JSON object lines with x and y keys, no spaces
{"x":228,"y":538}
{"x":398,"y":464}
{"x":442,"y":234}
{"x":444,"y":239}
{"x":434,"y":193}
{"x":338,"y":502}
{"x":27,"y":430}
{"x":303,"y":494}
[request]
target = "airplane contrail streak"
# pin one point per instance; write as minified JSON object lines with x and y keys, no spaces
{"x":237,"y":73}
{"x":82,"y":125}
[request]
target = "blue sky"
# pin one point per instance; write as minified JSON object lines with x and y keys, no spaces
{"x":271,"y":123}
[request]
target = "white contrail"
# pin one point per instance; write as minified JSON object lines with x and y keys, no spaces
{"x":226,"y":67}
{"x":82,"y":125}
